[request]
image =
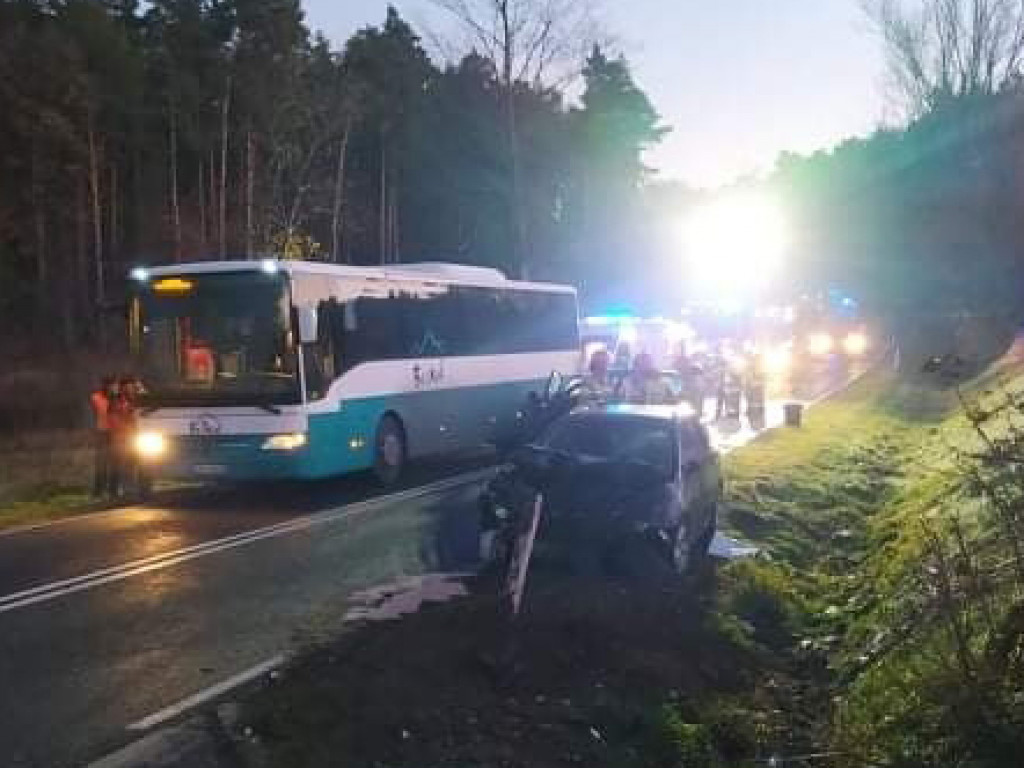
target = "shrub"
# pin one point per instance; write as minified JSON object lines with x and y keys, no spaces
{"x":681,"y":744}
{"x":762,"y":595}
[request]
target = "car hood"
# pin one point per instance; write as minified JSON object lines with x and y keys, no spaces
{"x":595,"y":487}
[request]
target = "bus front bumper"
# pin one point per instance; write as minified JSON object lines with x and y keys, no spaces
{"x":229,"y":458}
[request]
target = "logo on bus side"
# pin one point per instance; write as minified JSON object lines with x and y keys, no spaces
{"x":425,"y":376}
{"x":204,"y":425}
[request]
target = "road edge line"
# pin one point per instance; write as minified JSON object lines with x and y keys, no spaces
{"x":198,"y":698}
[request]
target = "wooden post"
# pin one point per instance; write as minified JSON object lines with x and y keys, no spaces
{"x":516,"y":583}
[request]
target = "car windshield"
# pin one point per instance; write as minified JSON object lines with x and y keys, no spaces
{"x":216,"y":339}
{"x":614,"y":438}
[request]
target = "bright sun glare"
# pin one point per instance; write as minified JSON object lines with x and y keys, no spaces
{"x":734,"y":245}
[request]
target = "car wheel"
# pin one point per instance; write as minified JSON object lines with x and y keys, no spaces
{"x":703,"y":544}
{"x":389,"y":450}
{"x":681,"y":550}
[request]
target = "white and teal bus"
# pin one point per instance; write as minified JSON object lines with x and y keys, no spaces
{"x":270,"y":369}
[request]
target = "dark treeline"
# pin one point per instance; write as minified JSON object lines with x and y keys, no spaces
{"x":175,"y":130}
{"x":923,"y":219}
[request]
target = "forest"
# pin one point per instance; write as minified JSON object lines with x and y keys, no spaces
{"x":179,"y":130}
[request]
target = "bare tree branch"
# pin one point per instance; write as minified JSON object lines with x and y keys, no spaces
{"x":944,"y":49}
{"x":527,"y":40}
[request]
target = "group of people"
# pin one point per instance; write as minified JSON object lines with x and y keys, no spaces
{"x":642,"y":382}
{"x":115,"y":406}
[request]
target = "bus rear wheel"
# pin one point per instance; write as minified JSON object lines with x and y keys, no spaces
{"x":389,"y":450}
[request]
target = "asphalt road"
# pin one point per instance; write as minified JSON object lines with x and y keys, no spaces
{"x":109,"y":618}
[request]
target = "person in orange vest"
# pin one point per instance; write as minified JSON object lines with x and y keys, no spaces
{"x":105,"y":474}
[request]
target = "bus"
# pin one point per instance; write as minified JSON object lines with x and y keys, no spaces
{"x":258,"y":370}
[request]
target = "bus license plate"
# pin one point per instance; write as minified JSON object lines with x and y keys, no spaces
{"x":210,"y":469}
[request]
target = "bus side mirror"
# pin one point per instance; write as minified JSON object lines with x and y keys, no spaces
{"x":307,"y":324}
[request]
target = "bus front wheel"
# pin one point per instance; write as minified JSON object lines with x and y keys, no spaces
{"x":389,"y":450}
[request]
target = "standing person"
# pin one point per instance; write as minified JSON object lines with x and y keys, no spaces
{"x":645,"y":385}
{"x":623,"y":355}
{"x":597,"y":384}
{"x":756,"y":385}
{"x":105,"y":480}
{"x":692,"y":376}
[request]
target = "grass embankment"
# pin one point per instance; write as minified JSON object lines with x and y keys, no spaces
{"x":888,"y":568}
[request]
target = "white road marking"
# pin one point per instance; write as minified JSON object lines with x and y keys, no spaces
{"x":205,"y":695}
{"x":133,"y":564}
{"x":51,"y":591}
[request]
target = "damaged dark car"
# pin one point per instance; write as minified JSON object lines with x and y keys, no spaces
{"x":610,"y":476}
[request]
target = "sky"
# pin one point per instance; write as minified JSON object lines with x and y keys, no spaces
{"x":738,"y":81}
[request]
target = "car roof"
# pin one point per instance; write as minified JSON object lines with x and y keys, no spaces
{"x":680,"y":412}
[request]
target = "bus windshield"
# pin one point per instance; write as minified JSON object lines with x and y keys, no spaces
{"x":217,"y":339}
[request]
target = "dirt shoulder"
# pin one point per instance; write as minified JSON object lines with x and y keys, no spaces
{"x":596,"y":677}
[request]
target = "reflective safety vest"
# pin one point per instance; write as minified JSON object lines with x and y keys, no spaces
{"x":100,"y":403}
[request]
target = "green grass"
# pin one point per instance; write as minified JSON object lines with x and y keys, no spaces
{"x":844,"y":509}
{"x":799,"y":493}
{"x":43,"y":505}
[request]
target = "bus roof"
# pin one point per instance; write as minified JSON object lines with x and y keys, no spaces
{"x":460,"y":274}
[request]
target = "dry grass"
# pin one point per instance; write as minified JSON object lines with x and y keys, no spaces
{"x":44,"y":475}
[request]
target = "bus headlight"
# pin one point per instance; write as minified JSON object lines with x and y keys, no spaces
{"x":287,"y":442}
{"x":855,"y":344}
{"x":150,"y":445}
{"x":819,"y":344}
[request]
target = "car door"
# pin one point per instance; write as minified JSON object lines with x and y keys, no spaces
{"x":700,"y":473}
